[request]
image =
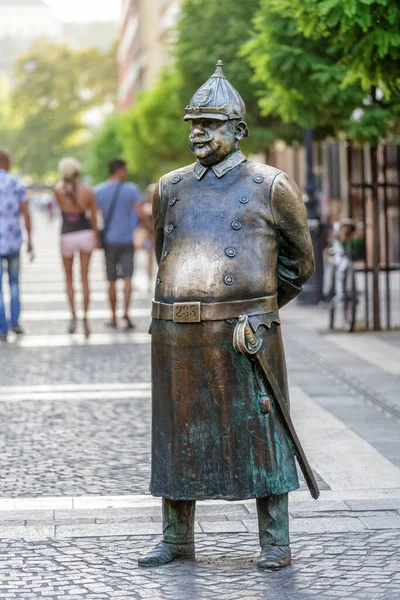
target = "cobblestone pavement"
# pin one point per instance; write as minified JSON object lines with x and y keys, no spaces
{"x":363,"y":566}
{"x":75,"y":462}
{"x":76,"y":447}
{"x":125,"y":363}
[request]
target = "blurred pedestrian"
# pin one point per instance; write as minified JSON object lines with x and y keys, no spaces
{"x":342,"y":252}
{"x":13,"y":203}
{"x":116,"y":198}
{"x":144,"y":238}
{"x":79,"y":232}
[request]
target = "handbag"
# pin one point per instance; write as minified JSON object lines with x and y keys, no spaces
{"x":107,"y":222}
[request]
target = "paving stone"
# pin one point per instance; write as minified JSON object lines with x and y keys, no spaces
{"x":67,"y":522}
{"x":224,"y":568}
{"x":27,"y":533}
{"x":217,"y":518}
{"x":325,"y":525}
{"x":252,"y":516}
{"x":251,"y":525}
{"x":106,"y":513}
{"x":235,"y":510}
{"x":110,"y":529}
{"x":318,"y":506}
{"x":381,"y":522}
{"x":378,"y":504}
{"x":223,"y":527}
{"x":25,"y":515}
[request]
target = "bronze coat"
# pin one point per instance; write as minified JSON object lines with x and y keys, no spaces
{"x":235,"y":232}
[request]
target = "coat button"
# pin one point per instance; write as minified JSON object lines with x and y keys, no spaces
{"x":258,"y":178}
{"x":231,"y":252}
{"x":164,"y":256}
{"x":173,"y":201}
{"x":236,"y":225}
{"x":170,"y":228}
{"x":229,"y":280}
{"x":176,"y":179}
{"x":244,"y":199}
{"x":158,"y":282}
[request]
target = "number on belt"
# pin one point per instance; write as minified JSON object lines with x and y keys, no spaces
{"x":187,"y":312}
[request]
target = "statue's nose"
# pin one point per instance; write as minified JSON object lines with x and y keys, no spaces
{"x":198,"y":130}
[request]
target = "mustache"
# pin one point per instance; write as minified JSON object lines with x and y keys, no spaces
{"x":200,"y":140}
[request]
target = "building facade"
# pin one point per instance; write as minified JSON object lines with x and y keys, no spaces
{"x":146,"y":33}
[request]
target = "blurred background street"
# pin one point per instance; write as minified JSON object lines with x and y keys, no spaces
{"x":102,"y":80}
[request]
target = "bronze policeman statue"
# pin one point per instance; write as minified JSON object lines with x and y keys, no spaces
{"x":233,"y":246}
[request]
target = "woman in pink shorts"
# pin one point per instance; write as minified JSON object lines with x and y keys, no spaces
{"x":79,"y":232}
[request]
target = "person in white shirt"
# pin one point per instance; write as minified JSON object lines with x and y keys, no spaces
{"x":13,"y":204}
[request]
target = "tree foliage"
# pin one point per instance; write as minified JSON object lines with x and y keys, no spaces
{"x":153,"y":133}
{"x":368,"y":32}
{"x":5,"y":112}
{"x":105,"y":145}
{"x":55,"y":87}
{"x":331,"y":63}
{"x":213,"y":30}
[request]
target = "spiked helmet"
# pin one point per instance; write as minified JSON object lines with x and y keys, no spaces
{"x":216,"y":99}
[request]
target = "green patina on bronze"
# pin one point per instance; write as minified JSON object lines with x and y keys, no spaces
{"x":213,"y":439}
{"x":227,"y":231}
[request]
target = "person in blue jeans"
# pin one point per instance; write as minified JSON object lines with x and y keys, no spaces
{"x":13,"y":204}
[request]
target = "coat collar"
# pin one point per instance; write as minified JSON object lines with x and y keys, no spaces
{"x":220,"y":169}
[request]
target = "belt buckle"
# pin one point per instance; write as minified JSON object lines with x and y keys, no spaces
{"x":187,"y":312}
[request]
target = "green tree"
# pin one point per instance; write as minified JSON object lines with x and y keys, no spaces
{"x":340,"y":67}
{"x":55,"y":88}
{"x":368,"y":32}
{"x":301,"y":78}
{"x":216,"y":29}
{"x":5,"y":112}
{"x":153,"y":133}
{"x":105,"y":145}
{"x":320,"y":65}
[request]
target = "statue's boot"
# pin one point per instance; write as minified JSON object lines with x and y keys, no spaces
{"x":178,"y":534}
{"x":274,"y":557}
{"x":273,"y":523}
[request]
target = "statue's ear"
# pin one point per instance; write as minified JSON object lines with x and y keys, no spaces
{"x":241,"y":130}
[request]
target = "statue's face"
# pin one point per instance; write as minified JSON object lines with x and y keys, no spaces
{"x":210,"y":140}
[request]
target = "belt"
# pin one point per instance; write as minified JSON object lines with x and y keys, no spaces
{"x":194,"y":312}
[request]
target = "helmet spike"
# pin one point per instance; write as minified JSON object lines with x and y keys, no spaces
{"x":219,"y":72}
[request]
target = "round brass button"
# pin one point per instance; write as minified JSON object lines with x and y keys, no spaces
{"x":164,"y":256}
{"x":176,"y":179}
{"x":244,"y":199}
{"x":236,"y":225}
{"x":258,"y":178}
{"x":170,"y":228}
{"x":229,"y":280}
{"x":231,"y":252}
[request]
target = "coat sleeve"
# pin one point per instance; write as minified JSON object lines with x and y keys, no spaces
{"x":295,"y":251}
{"x":158,"y":221}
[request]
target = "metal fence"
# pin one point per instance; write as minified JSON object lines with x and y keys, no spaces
{"x":373,"y":174}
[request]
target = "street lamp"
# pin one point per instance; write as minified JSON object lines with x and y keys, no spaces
{"x":312,"y":293}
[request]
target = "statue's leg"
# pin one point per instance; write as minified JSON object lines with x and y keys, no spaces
{"x":273,"y":523}
{"x":178,"y":534}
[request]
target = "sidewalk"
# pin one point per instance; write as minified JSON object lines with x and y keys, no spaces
{"x":75,"y":438}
